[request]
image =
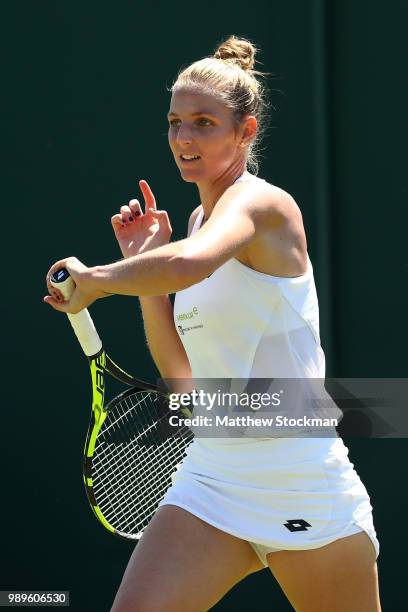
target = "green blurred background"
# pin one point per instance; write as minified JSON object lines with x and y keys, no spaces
{"x":85,"y":93}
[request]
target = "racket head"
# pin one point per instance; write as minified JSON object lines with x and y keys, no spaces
{"x":131,"y":453}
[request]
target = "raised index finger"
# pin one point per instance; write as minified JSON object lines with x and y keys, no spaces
{"x":149,"y":199}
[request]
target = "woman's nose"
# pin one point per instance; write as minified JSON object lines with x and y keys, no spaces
{"x":184,"y":135}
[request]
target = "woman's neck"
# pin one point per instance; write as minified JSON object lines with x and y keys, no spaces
{"x":210,"y":193}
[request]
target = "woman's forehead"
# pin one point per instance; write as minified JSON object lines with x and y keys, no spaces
{"x":189,"y":102}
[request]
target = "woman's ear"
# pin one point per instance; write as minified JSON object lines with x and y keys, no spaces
{"x":250,"y":126}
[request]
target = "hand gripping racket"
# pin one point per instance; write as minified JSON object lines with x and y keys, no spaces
{"x":131,"y":451}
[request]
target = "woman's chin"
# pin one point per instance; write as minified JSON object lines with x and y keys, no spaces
{"x":188,"y":179}
{"x":188,"y":175}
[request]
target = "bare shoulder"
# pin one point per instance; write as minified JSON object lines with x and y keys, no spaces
{"x":279,"y":244}
{"x":262,"y":197}
{"x":192,"y":219}
{"x":267,"y":203}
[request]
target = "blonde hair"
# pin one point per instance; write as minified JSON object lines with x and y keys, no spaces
{"x":229,"y":75}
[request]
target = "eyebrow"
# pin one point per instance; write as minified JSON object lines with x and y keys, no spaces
{"x":204,"y":112}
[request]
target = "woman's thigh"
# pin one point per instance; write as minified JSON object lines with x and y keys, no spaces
{"x":337,"y":577}
{"x":182,"y":564}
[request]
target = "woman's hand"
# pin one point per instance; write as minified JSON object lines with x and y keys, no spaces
{"x":138,"y":232}
{"x":84,"y":293}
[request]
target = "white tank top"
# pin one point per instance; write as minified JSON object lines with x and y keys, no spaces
{"x":240,"y":323}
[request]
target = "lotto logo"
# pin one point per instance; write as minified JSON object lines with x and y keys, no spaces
{"x":297,"y":525}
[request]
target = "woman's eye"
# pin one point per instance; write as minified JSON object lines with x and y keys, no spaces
{"x":204,"y":122}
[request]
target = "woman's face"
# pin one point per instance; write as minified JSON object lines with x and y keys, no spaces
{"x":202,"y":128}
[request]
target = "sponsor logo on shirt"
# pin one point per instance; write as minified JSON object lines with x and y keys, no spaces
{"x":182,"y":329}
{"x":187,"y":316}
{"x":184,"y":316}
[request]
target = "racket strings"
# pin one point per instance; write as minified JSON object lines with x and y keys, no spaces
{"x":120,"y":499}
{"x":128,"y":454}
{"x":124,"y":508}
{"x":147,"y":491}
{"x":136,"y":453}
{"x":124,"y":512}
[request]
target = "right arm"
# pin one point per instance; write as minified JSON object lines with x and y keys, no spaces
{"x":144,"y":232}
{"x":164,"y":343}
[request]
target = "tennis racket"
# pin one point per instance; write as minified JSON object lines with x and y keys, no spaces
{"x":131,"y":451}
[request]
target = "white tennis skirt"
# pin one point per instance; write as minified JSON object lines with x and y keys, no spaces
{"x":278,"y":494}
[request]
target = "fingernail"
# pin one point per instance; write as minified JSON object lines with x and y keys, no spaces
{"x":130,"y":218}
{"x":137,"y":213}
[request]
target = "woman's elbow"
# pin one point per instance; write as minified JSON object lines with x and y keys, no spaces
{"x":189,"y":270}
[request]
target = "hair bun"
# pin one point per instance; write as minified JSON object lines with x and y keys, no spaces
{"x":238,"y":50}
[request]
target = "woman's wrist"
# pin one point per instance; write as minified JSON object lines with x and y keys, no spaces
{"x":95,"y":280}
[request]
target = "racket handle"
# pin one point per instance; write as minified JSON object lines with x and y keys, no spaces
{"x":81,"y":322}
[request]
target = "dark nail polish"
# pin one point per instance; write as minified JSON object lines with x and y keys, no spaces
{"x":130,"y":218}
{"x":137,"y":213}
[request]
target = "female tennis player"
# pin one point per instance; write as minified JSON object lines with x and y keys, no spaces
{"x":245,"y":283}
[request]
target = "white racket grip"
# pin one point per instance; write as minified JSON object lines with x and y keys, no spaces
{"x":81,"y":322}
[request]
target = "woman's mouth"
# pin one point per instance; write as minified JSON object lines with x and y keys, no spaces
{"x":189,"y":158}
